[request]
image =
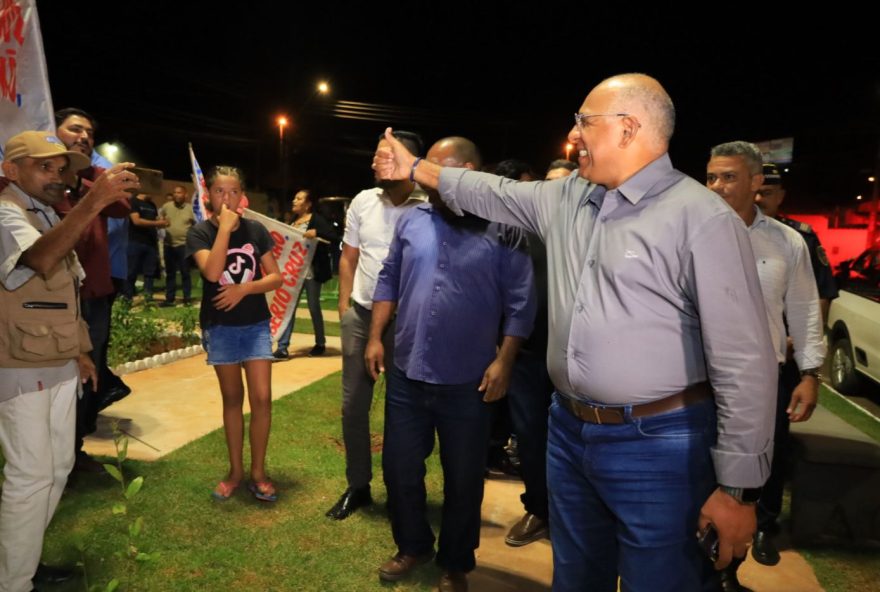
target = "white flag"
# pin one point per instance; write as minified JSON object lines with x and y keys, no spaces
{"x":25,"y":99}
{"x":294,"y":254}
{"x":200,"y":196}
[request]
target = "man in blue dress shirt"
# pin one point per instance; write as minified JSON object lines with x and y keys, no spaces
{"x":459,"y":288}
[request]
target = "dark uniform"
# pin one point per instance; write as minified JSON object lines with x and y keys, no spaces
{"x":821,"y":268}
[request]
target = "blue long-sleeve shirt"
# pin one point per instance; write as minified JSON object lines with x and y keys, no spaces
{"x":456,"y":290}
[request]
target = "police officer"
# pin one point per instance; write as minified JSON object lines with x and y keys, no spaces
{"x":769,"y":198}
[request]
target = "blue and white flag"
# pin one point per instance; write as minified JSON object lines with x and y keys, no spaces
{"x":25,"y":99}
{"x":200,"y":195}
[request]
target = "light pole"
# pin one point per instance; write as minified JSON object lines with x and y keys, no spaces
{"x":282,"y":123}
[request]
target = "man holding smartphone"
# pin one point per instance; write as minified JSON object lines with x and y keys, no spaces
{"x":44,"y":354}
{"x":76,"y":129}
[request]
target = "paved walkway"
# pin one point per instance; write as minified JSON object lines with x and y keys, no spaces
{"x":174,"y":404}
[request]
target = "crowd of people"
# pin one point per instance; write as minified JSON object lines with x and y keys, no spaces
{"x":649,"y":338}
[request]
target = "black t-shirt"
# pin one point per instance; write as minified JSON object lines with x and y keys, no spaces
{"x":147,"y":211}
{"x":247,"y":244}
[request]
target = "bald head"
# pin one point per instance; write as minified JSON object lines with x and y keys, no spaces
{"x":455,"y":151}
{"x":624,"y":124}
{"x":644,"y":97}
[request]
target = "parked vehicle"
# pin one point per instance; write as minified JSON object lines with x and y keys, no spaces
{"x":854,"y":323}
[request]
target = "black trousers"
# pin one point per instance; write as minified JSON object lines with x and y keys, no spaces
{"x":770,"y":504}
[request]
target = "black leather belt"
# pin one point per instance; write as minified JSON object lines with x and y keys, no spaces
{"x":616,"y":415}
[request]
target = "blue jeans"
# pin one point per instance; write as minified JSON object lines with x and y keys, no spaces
{"x":413,"y":411}
{"x":236,"y":344}
{"x":313,"y":297}
{"x":175,"y":260}
{"x":625,"y":499}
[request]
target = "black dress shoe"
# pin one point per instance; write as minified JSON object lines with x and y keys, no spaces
{"x":281,"y":354}
{"x":318,"y":350}
{"x":53,"y":574}
{"x":729,"y":581}
{"x":84,"y":463}
{"x":112,"y":395}
{"x":764,"y":549}
{"x":350,"y":501}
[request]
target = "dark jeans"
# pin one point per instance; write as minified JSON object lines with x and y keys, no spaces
{"x":625,"y":499}
{"x":142,"y":259}
{"x":95,"y":312}
{"x":770,"y":504}
{"x":312,"y":290}
{"x":528,"y":397}
{"x":413,"y":412}
{"x":175,"y":260}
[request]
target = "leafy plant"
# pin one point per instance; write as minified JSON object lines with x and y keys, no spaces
{"x":131,"y":335}
{"x":189,"y":321}
{"x":129,"y":490}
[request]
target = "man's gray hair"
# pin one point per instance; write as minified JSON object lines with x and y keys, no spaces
{"x":748,"y":151}
{"x":652,"y":99}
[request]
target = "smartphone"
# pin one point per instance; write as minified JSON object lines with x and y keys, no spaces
{"x":707,"y":539}
{"x":151,"y":181}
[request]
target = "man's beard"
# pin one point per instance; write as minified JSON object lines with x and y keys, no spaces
{"x":388,"y":184}
{"x":83,"y":148}
{"x":52,"y":193}
{"x":468,"y":221}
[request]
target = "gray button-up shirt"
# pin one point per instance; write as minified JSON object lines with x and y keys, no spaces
{"x":652,"y":288}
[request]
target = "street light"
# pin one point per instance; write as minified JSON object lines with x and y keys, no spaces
{"x":110,"y":151}
{"x":323,"y":87}
{"x":282,"y":122}
{"x":568,"y":148}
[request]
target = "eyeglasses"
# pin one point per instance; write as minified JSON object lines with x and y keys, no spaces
{"x":580,"y":119}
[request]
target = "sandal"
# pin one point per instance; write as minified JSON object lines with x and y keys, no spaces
{"x":224,"y":490}
{"x":263,"y":491}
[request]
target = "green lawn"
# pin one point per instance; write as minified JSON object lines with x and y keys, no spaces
{"x":242,"y":544}
{"x":842,"y":568}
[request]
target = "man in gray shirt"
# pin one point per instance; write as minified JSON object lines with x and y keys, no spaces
{"x":653,"y":296}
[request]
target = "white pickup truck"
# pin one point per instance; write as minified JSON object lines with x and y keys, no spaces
{"x":854,"y":323}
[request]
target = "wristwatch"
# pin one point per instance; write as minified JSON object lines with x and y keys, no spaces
{"x":814,"y":372}
{"x":744,"y":495}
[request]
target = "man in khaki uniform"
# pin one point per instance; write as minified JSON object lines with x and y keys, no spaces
{"x":179,"y":214}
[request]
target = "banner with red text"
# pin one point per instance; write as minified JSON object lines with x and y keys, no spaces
{"x":25,"y":99}
{"x":294,"y":255}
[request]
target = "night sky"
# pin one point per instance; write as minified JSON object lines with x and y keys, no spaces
{"x":160,"y":74}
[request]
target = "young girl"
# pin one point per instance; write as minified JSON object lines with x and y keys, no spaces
{"x":234,"y":256}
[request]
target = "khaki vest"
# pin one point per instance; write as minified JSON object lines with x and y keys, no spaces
{"x":40,"y":321}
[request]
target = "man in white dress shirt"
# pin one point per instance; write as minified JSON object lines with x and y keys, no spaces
{"x":735,"y":173}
